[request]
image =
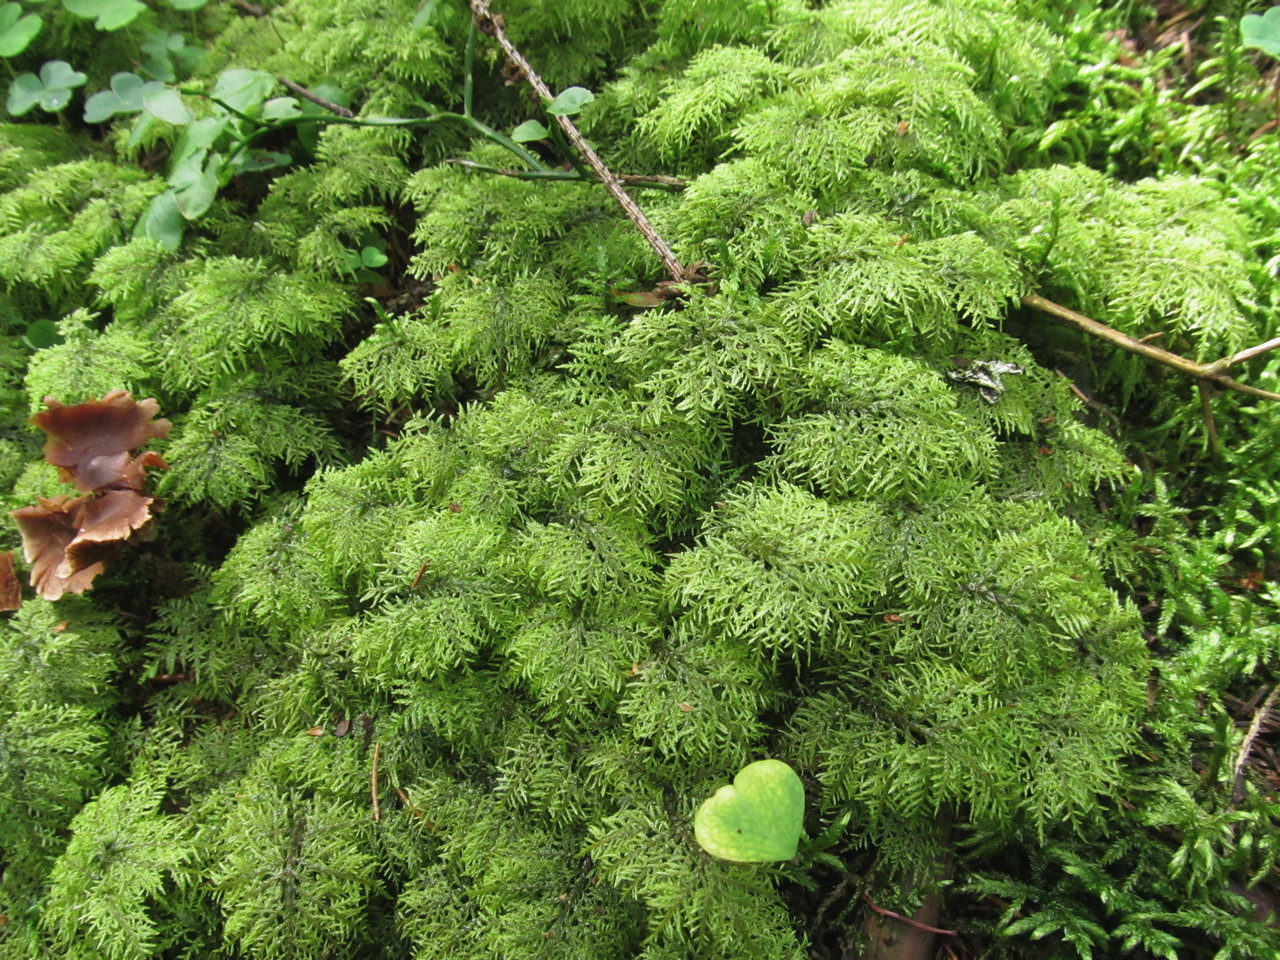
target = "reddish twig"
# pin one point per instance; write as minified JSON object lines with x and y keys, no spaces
{"x":1202,"y":371}
{"x":491,"y":25}
{"x":252,"y":9}
{"x":907,"y":920}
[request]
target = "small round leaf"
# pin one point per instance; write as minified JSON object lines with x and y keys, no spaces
{"x":758,"y":818}
{"x":528,"y":131}
{"x":570,"y":101}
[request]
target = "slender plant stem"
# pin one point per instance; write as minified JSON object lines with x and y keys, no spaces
{"x":492,"y":25}
{"x":288,"y":122}
{"x":655,"y":181}
{"x":1201,"y":371}
{"x":468,"y":67}
{"x":373,"y":779}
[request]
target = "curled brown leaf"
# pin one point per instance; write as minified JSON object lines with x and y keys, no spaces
{"x":90,"y":442}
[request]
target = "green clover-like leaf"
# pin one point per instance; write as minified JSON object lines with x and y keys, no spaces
{"x":570,"y":101}
{"x":530,"y":130}
{"x":126,"y":95}
{"x":758,"y":818}
{"x":1262,"y":31}
{"x":186,"y":4}
{"x":51,"y":91}
{"x":107,"y":14}
{"x":167,"y":56}
{"x":16,"y":31}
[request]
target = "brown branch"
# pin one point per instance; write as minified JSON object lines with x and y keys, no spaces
{"x":252,"y":9}
{"x":629,"y":179}
{"x":1246,"y":748}
{"x":490,"y":24}
{"x":1210,"y":425}
{"x":1201,"y":371}
{"x":300,"y":90}
{"x":373,"y":779}
{"x":907,"y":920}
{"x":1244,"y":355}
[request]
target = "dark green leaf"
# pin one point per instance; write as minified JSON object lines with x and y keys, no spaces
{"x":261,"y":160}
{"x":196,"y":186}
{"x":41,"y":334}
{"x":163,"y":222}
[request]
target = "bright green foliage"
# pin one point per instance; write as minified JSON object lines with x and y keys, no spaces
{"x":555,"y":567}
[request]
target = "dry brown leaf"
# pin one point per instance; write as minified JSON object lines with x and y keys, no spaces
{"x":90,"y":442}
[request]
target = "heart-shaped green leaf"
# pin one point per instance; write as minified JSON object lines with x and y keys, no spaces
{"x":106,"y":14}
{"x":16,"y":31}
{"x":570,"y":101}
{"x":1262,"y":31}
{"x":756,"y":819}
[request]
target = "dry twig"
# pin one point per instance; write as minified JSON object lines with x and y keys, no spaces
{"x":1202,"y":371}
{"x":319,"y":101}
{"x":490,"y":24}
{"x":1246,"y":748}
